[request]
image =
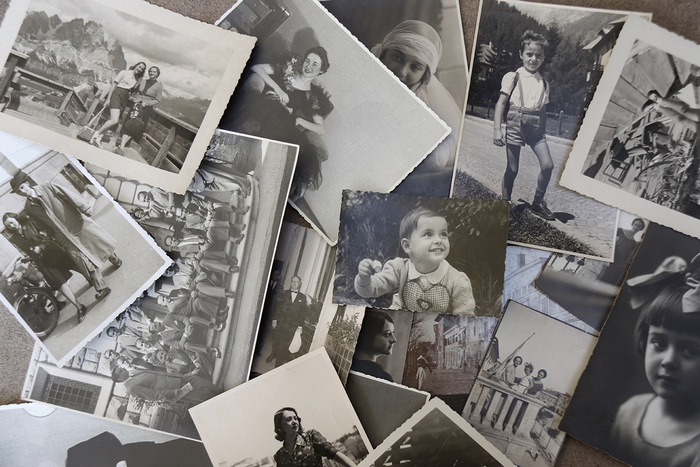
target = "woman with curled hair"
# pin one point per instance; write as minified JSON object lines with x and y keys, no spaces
{"x":376,"y":338}
{"x":302,"y":448}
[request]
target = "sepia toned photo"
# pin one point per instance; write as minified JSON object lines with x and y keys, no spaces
{"x":637,"y":399}
{"x":311,"y":83}
{"x":127,"y":86}
{"x":535,"y":68}
{"x":296,"y":414}
{"x":222,"y":235}
{"x":638,"y":149}
{"x":430,"y":34}
{"x":71,"y":259}
{"x":526,"y":381}
{"x":436,"y":436}
{"x":421,"y":254}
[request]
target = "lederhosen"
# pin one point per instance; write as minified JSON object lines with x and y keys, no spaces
{"x":528,"y":123}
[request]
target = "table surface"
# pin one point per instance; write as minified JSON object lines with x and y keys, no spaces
{"x":680,"y":16}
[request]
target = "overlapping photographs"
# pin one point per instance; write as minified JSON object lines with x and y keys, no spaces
{"x":436,"y":436}
{"x":637,"y":149}
{"x":311,"y":83}
{"x":222,"y":234}
{"x":301,"y":404}
{"x":637,"y":398}
{"x":71,"y":258}
{"x":49,"y":436}
{"x":299,"y":315}
{"x":392,"y":26}
{"x":421,"y":254}
{"x":528,"y":376}
{"x":573,"y":45}
{"x":127,"y":86}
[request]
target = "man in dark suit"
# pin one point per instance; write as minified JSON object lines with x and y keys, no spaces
{"x":290,"y":310}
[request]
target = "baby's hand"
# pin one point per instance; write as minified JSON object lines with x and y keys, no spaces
{"x":368,"y":267}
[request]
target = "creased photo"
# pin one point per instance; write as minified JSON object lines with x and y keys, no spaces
{"x":637,"y":400}
{"x":127,"y":86}
{"x":526,"y":381}
{"x":421,"y":254}
{"x":436,"y":436}
{"x":71,"y":259}
{"x":311,"y":83}
{"x":222,"y":235}
{"x":637,"y":149}
{"x":535,"y":68}
{"x":429,"y":36}
{"x":297,"y":414}
{"x":299,"y":316}
{"x":43,"y":435}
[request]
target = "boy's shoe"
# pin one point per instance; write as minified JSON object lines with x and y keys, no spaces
{"x":540,"y":208}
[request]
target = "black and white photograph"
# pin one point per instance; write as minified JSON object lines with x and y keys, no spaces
{"x":535,"y":68}
{"x":445,"y":352}
{"x":299,"y":315}
{"x":436,"y":436}
{"x":637,"y":149}
{"x":383,"y":343}
{"x":526,"y":381}
{"x":48,"y":436}
{"x":297,"y":414}
{"x":311,"y":83}
{"x":71,"y":259}
{"x":637,"y":400}
{"x":586,"y":287}
{"x":382,"y":406}
{"x":128,"y":86}
{"x":421,"y":254}
{"x":222,"y":235}
{"x":428,"y":33}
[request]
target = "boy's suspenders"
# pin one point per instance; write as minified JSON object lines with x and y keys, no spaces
{"x":540,"y":103}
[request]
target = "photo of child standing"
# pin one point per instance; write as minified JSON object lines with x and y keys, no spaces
{"x":525,"y":94}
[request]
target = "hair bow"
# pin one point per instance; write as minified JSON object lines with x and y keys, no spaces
{"x":674,"y":268}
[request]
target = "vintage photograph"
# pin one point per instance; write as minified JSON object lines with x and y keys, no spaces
{"x":222,"y":235}
{"x":299,"y":315}
{"x":436,"y":436}
{"x":429,"y":34}
{"x":445,"y":352}
{"x":47,"y":436}
{"x":637,"y":399}
{"x":71,"y":259}
{"x":382,"y":406}
{"x":526,"y":381}
{"x":637,"y":150}
{"x":127,"y":86}
{"x":586,"y":287}
{"x":313,"y":84}
{"x":535,"y":68}
{"x":294,"y":415}
{"x":421,"y":254}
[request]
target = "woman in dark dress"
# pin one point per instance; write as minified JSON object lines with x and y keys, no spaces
{"x":33,"y":238}
{"x":149,"y":96}
{"x":281,"y":101}
{"x":376,"y":338}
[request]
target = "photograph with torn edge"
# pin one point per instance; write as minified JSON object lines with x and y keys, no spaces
{"x":421,"y":254}
{"x":637,"y":149}
{"x":43,"y":435}
{"x":71,"y":258}
{"x":638,"y":398}
{"x":535,"y":68}
{"x":222,"y":235}
{"x":586,"y":287}
{"x":299,"y":316}
{"x":529,"y":374}
{"x":296,"y":414}
{"x":127,"y":86}
{"x":445,"y":352}
{"x":429,"y":34}
{"x":436,"y":436}
{"x":382,"y":406}
{"x":313,"y":84}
